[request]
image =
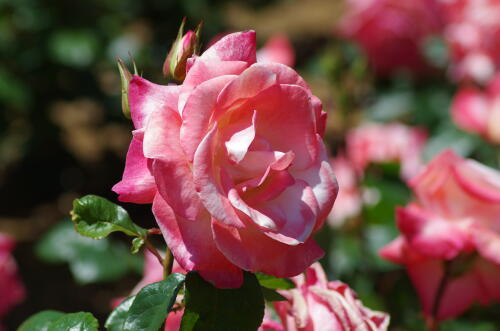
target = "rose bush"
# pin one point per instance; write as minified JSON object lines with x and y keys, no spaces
{"x":478,"y":111}
{"x":452,"y":231}
{"x":233,"y":162}
{"x":316,"y":304}
{"x":11,"y":289}
{"x":392,"y":33}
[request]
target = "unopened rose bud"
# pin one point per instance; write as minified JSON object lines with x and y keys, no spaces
{"x":184,"y":46}
{"x":125,"y":77}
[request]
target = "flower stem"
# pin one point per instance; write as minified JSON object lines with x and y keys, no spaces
{"x":167,"y":263}
{"x":433,"y":324}
{"x":153,"y":250}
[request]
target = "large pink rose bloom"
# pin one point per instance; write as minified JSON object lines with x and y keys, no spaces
{"x":383,"y":143}
{"x":318,"y":305}
{"x":478,"y":111}
{"x":473,"y":35}
{"x":11,"y":289}
{"x":452,"y":229}
{"x":234,"y":163}
{"x":392,"y":33}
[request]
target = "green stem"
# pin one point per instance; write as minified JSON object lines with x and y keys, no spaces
{"x":167,"y":263}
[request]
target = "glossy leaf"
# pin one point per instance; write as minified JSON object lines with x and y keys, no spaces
{"x":75,"y":322}
{"x":212,"y":309}
{"x":274,"y":282}
{"x":152,"y":304}
{"x":118,"y":316}
{"x":96,"y":217}
{"x":40,"y":321}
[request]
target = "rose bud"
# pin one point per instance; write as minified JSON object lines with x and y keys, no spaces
{"x":183,"y":48}
{"x":125,"y":77}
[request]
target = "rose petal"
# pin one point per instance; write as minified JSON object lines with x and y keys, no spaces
{"x":239,"y":46}
{"x":197,"y":112}
{"x":137,"y":184}
{"x":193,"y":247}
{"x":209,"y":191}
{"x":252,"y":250}
{"x":146,"y":97}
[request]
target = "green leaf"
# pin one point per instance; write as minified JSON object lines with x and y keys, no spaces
{"x":136,"y":245}
{"x":89,"y":260}
{"x":272,"y":295}
{"x":152,"y":304}
{"x":40,"y":321}
{"x":75,"y":322}
{"x":96,"y":218}
{"x":211,"y":309}
{"x":274,"y":283}
{"x":118,"y":316}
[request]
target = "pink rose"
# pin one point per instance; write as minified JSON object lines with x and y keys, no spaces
{"x":473,"y":35}
{"x":476,"y":111}
{"x":453,"y":228}
{"x":392,"y":33}
{"x":233,"y":162}
{"x":277,"y":49}
{"x":316,"y":304}
{"x":11,"y":289}
{"x":349,"y":201}
{"x":382,"y":143}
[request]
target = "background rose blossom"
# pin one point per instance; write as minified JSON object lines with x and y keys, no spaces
{"x":230,"y":191}
{"x":349,"y":200}
{"x":11,"y":289}
{"x":473,"y":35}
{"x":392,"y":33}
{"x":277,"y":49}
{"x":317,"y":304}
{"x":452,"y":229}
{"x":479,"y":111}
{"x":386,"y":143}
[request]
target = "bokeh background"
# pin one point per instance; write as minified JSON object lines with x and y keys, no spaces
{"x":63,"y":135}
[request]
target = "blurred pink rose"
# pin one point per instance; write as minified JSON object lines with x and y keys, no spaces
{"x":234,"y":161}
{"x":453,"y":226}
{"x":316,"y":304}
{"x":349,"y":199}
{"x":392,"y":33}
{"x":478,"y":111}
{"x":153,"y":272}
{"x":277,"y":49}
{"x":473,"y":35}
{"x":11,"y":289}
{"x":383,"y":143}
